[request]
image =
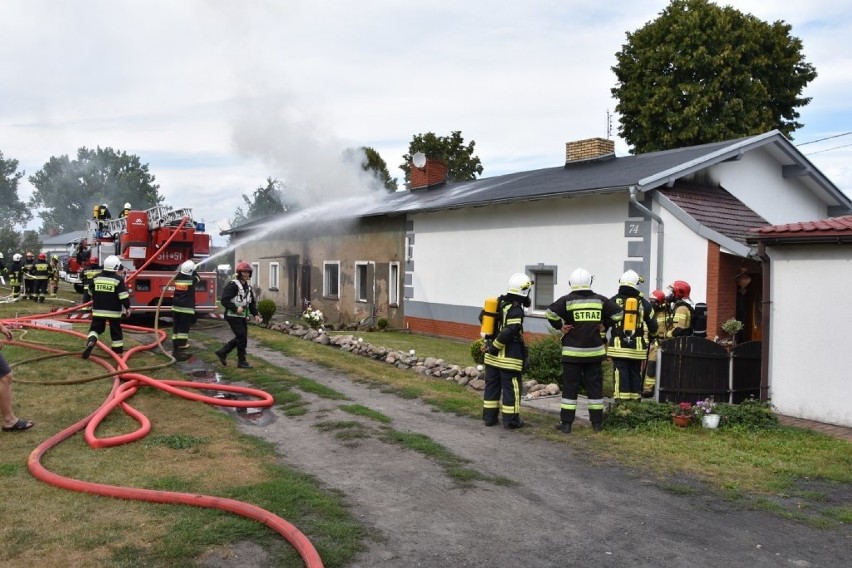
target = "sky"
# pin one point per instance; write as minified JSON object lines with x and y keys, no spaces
{"x":215,"y":96}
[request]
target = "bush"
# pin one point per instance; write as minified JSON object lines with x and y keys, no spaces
{"x":476,"y":351}
{"x":546,"y":360}
{"x":633,"y":415}
{"x":382,"y":324}
{"x":751,"y":413}
{"x":266,"y":308}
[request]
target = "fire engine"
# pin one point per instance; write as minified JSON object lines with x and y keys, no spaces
{"x":151,"y":244}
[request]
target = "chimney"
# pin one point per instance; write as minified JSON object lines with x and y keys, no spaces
{"x":433,"y":172}
{"x":588,"y":150}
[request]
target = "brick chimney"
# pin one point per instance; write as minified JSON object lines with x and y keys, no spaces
{"x":433,"y":173}
{"x":588,"y":149}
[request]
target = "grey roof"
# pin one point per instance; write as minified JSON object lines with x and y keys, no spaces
{"x":61,"y":239}
{"x":643,"y":171}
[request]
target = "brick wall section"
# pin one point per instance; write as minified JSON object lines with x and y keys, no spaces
{"x":722,"y":288}
{"x":433,"y":173}
{"x":588,"y":149}
{"x":443,"y":328}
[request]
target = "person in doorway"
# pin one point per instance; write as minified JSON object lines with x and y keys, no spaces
{"x":110,"y":301}
{"x":583,"y":318}
{"x":628,"y":344}
{"x":183,"y":308}
{"x":663,"y":317}
{"x":240,"y":303}
{"x":505,"y":356}
{"x":11,"y":423}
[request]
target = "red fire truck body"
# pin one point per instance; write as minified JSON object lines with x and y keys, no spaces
{"x":152,"y":245}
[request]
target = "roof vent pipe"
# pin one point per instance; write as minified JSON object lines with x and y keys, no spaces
{"x":659,"y":221}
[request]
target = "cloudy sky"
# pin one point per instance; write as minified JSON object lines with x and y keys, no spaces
{"x":216,"y":95}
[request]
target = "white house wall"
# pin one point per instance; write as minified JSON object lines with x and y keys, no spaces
{"x":757,"y":180}
{"x":684,"y":256}
{"x":808,"y":361}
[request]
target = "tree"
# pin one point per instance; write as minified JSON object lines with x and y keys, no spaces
{"x":375,"y":163}
{"x":704,"y":73}
{"x":268,"y":200}
{"x":68,"y":189}
{"x":12,"y":210}
{"x":461,"y":163}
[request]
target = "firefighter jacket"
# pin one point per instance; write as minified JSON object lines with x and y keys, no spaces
{"x":41,"y":270}
{"x":16,"y":270}
{"x":507,"y":350}
{"x":184,"y":298}
{"x":28,"y":267}
{"x":588,"y":314}
{"x":661,"y":314}
{"x":239,"y":294}
{"x":109,"y":295}
{"x":54,"y":271}
{"x":3,"y":268}
{"x":631,"y":344}
{"x":89,"y":274}
{"x":681,"y":318}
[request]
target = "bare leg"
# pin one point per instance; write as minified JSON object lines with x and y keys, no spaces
{"x":9,"y":418}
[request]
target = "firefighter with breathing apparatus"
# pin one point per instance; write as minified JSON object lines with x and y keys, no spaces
{"x":682,"y":309}
{"x":16,"y":275}
{"x":240,"y":303}
{"x":110,"y":301}
{"x":505,"y":352}
{"x":583,"y":318}
{"x":663,"y":317}
{"x":54,"y":275}
{"x":628,"y":345}
{"x":183,"y":308}
{"x":41,"y":277}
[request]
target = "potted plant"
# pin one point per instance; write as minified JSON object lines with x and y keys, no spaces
{"x":313,"y":318}
{"x":706,"y":410}
{"x":732,"y":327}
{"x":682,"y":415}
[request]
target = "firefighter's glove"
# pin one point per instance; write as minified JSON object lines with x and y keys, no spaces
{"x":492,"y":350}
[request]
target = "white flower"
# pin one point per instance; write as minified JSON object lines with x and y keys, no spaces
{"x":411,"y":352}
{"x":479,"y":367}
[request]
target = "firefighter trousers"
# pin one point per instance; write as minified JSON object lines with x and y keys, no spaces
{"x":98,"y":326}
{"x":505,"y":383}
{"x":239,"y":327}
{"x":592,"y":378}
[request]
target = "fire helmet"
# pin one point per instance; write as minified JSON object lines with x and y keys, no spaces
{"x":519,"y":284}
{"x":112,"y":263}
{"x":580,"y":279}
{"x":93,"y":260}
{"x":630,"y":278}
{"x":680,"y":289}
{"x":127,"y":205}
{"x":42,"y":256}
{"x":16,"y":257}
{"x":244,"y":267}
{"x":188,"y":267}
{"x":1,"y":255}
{"x":658,"y":297}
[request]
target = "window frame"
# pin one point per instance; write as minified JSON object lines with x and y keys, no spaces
{"x":534,"y":271}
{"x":273,"y":275}
{"x":328,"y":265}
{"x":254,"y":281}
{"x":393,"y":283}
{"x":362,"y":288}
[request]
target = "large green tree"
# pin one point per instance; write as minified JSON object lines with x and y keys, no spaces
{"x":68,"y":189}
{"x":373,"y":161}
{"x":12,"y":210}
{"x":703,"y":73}
{"x":266,"y":200}
{"x":462,"y":165}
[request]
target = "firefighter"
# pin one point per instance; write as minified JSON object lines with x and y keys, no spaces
{"x":682,"y":309}
{"x":183,"y":308}
{"x":239,"y":302}
{"x":505,"y":356}
{"x":663,"y":316}
{"x":16,"y":274}
{"x":628,"y":345}
{"x":88,"y":274}
{"x":110,"y":301}
{"x":29,"y":282}
{"x":583,"y":318}
{"x":54,"y":275}
{"x":125,"y":211}
{"x":3,"y":271}
{"x":40,"y":276}
{"x":101,"y":213}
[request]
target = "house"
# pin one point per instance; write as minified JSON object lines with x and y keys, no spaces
{"x":60,"y":244}
{"x":807,"y":267}
{"x":680,"y":214}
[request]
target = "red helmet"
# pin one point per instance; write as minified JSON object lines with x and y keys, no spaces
{"x":42,"y":256}
{"x":93,"y":260}
{"x":244,"y":267}
{"x":658,"y":296}
{"x":680,"y":289}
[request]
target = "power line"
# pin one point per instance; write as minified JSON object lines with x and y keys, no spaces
{"x":826,"y":138}
{"x":828,"y":149}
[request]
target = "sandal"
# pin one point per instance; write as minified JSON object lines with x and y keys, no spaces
{"x":19,"y":426}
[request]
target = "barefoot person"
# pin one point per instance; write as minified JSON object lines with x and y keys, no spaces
{"x":11,"y":423}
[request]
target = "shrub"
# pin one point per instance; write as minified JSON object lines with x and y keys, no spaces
{"x":266,"y":308}
{"x":546,"y":359}
{"x":476,"y":351}
{"x":751,"y":413}
{"x":633,"y":415}
{"x":382,"y":324}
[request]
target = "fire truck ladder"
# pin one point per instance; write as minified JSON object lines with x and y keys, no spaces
{"x":162,"y":216}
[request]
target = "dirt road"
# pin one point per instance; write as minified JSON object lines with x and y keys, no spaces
{"x":538,"y":504}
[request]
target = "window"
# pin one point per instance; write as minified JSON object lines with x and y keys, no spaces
{"x":361,"y":285}
{"x":273,"y":276}
{"x":255,"y":274}
{"x":542,"y":291}
{"x":331,"y":279}
{"x":393,"y":284}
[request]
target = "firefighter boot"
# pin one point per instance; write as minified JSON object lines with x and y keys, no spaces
{"x":222,"y":354}
{"x":596,"y":418}
{"x":90,"y":344}
{"x":179,"y":355}
{"x":564,"y":427}
{"x":243,"y":364}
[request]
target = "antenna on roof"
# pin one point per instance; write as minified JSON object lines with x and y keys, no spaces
{"x":608,"y":125}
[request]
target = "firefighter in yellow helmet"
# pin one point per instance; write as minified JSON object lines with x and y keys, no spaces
{"x":583,"y":317}
{"x":628,"y":346}
{"x":54,"y":275}
{"x":505,"y":355}
{"x":663,"y":316}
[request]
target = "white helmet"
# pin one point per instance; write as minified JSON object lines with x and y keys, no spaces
{"x":127,"y":205}
{"x":187,"y":267}
{"x":112,"y":263}
{"x":519,"y":284}
{"x":16,"y":257}
{"x":580,"y":279}
{"x":630,"y":278}
{"x":1,"y":255}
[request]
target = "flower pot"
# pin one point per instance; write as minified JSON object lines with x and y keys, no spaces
{"x":710,"y":420}
{"x":681,"y":421}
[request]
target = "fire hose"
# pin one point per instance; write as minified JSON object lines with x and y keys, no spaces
{"x":125,"y":384}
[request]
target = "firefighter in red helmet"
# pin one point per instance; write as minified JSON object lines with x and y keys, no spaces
{"x":663,"y":316}
{"x":682,"y":309}
{"x":41,"y":276}
{"x":239,"y":302}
